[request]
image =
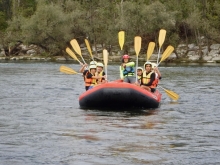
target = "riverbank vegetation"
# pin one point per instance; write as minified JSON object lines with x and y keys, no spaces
{"x":51,"y":24}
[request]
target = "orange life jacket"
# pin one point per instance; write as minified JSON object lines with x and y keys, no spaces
{"x":89,"y":81}
{"x":146,"y":79}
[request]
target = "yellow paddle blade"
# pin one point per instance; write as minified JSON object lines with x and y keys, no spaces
{"x":150,"y":49}
{"x":76,"y":46}
{"x":88,"y":47}
{"x":70,"y":52}
{"x":105,"y":57}
{"x":162,"y":35}
{"x":121,"y":39}
{"x":167,"y":53}
{"x":172,"y":94}
{"x":137,"y":44}
{"x":67,"y":70}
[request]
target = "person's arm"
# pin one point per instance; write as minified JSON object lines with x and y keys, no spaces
{"x":152,"y":78}
{"x":158,"y":72}
{"x":131,"y":64}
{"x":82,"y":69}
{"x":94,"y":77}
{"x":121,"y":72}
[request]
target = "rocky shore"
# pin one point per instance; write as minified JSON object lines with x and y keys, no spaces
{"x":186,"y":53}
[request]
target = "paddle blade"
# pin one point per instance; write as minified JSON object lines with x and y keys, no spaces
{"x":70,"y":52}
{"x":167,"y":53}
{"x":162,"y":35}
{"x":150,"y":49}
{"x":88,"y":47}
{"x":76,"y":46}
{"x":137,"y":44}
{"x":172,"y":94}
{"x":105,"y":57}
{"x":67,"y":70}
{"x":121,"y":39}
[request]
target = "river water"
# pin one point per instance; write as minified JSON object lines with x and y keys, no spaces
{"x":41,"y":122}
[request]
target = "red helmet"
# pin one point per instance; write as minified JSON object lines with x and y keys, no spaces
{"x":126,"y":56}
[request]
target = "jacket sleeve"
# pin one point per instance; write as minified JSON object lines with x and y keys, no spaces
{"x":131,"y":64}
{"x":121,"y":72}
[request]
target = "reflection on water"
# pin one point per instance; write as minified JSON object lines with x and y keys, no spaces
{"x":41,"y":122}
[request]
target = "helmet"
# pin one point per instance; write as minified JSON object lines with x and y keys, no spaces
{"x":92,"y":67}
{"x":93,"y":63}
{"x":140,"y":68}
{"x":100,"y":64}
{"x":126,"y":56}
{"x":147,"y":63}
{"x":153,"y":65}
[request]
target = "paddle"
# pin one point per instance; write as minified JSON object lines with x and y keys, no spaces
{"x":166,"y":53}
{"x":137,"y":47}
{"x":121,"y":39}
{"x":150,"y":49}
{"x":89,"y":48}
{"x":70,"y":52}
{"x":171,"y":94}
{"x":105,"y":59}
{"x":162,"y":35}
{"x":77,"y":49}
{"x":67,"y":70}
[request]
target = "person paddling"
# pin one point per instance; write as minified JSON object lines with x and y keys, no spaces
{"x":157,"y":73}
{"x":148,"y":77}
{"x":101,"y":73}
{"x":85,"y":71}
{"x":127,"y":70}
{"x":139,"y":73}
{"x":90,"y":77}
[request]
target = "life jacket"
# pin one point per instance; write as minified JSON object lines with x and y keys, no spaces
{"x":146,"y":79}
{"x":139,"y":79}
{"x":89,"y":81}
{"x":100,"y":79}
{"x":128,"y":71}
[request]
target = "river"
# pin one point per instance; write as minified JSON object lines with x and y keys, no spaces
{"x":41,"y":121}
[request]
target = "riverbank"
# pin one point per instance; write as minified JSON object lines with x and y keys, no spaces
{"x":171,"y":59}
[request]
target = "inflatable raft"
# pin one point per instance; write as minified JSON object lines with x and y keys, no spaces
{"x":119,"y":95}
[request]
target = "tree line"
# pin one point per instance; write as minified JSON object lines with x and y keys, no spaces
{"x":51,"y":24}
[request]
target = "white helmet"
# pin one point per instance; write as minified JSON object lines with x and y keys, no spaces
{"x":92,"y":67}
{"x":153,"y":65}
{"x":140,"y":68}
{"x":93,"y":63}
{"x":100,"y":64}
{"x":147,"y":63}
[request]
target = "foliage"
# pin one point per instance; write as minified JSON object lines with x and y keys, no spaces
{"x":53,"y":23}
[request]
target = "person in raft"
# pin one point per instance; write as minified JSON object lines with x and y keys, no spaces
{"x":148,"y":78}
{"x":139,"y":73}
{"x":84,"y":69}
{"x":157,"y":73}
{"x":101,"y":73}
{"x":127,"y":70}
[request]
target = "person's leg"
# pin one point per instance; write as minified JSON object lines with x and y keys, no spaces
{"x":87,"y":87}
{"x":132,"y":79}
{"x":126,"y":79}
{"x":146,"y":88}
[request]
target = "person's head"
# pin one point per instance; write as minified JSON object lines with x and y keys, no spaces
{"x":148,"y":66}
{"x":154,"y":65}
{"x":99,"y":66}
{"x":93,"y":63}
{"x":92,"y":69}
{"x":139,"y":71}
{"x":125,"y":58}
